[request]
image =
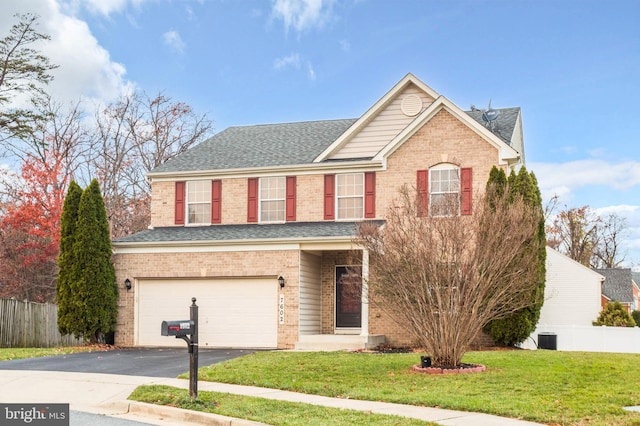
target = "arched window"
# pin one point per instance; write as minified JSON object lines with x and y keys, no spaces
{"x":444,"y":190}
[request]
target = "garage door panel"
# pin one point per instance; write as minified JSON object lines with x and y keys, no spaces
{"x":232,"y":313}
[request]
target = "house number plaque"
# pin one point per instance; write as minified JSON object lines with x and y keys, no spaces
{"x":281,"y":309}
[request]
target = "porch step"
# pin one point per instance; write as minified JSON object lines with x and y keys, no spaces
{"x":336,"y":342}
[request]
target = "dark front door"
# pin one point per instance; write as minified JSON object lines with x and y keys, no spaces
{"x":348,"y":297}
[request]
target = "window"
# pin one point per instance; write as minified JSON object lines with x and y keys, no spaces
{"x":350,"y":195}
{"x":199,"y":202}
{"x":272,"y":199}
{"x":444,"y":190}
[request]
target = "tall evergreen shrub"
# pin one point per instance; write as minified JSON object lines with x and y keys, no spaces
{"x":518,"y":326}
{"x":65,"y":282}
{"x":90,"y":282}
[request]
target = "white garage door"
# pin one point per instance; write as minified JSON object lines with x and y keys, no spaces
{"x":232,"y":312}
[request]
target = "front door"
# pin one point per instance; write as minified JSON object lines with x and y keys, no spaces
{"x":348,"y":297}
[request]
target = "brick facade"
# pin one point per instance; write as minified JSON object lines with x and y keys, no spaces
{"x":248,"y":264}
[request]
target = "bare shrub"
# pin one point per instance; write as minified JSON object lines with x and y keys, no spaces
{"x":444,"y":278}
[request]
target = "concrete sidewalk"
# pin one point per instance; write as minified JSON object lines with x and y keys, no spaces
{"x":107,"y":394}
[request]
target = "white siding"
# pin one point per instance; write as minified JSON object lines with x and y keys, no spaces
{"x":382,"y":128}
{"x":572,"y":292}
{"x":310,"y":296}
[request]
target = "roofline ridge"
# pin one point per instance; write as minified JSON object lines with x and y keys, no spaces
{"x":290,"y":122}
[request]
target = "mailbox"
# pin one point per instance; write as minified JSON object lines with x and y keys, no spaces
{"x":177,"y":328}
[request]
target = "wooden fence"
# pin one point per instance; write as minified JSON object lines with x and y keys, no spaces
{"x":31,"y":325}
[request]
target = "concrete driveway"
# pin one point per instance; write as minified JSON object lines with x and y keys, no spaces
{"x":149,"y":362}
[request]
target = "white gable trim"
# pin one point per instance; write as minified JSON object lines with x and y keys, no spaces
{"x":373,"y":111}
{"x":506,"y":153}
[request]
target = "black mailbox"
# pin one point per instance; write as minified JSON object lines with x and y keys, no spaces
{"x":177,"y":328}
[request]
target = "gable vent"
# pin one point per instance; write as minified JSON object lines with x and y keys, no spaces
{"x":411,"y":105}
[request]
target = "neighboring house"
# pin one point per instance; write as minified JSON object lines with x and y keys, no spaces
{"x":573,"y":302}
{"x":571,"y":294}
{"x":256,"y":203}
{"x":571,"y":299}
{"x":619,"y":286}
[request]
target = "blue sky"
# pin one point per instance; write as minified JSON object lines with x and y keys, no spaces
{"x":573,"y":66}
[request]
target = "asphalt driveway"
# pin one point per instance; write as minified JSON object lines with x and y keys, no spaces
{"x":152,"y":362}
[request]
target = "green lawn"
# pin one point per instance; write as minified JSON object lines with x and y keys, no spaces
{"x":265,"y":410}
{"x":7,"y":354}
{"x":542,"y":386}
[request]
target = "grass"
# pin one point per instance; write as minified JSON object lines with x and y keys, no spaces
{"x":7,"y":354}
{"x":263,"y":410}
{"x":568,"y":388}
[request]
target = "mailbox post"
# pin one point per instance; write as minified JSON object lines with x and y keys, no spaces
{"x":187,"y":330}
{"x":193,"y":351}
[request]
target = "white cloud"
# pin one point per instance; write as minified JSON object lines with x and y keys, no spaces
{"x":563,"y":178}
{"x":292,"y":60}
{"x":310,"y":71}
{"x":302,"y":15}
{"x":173,"y":40}
{"x":345,"y":46}
{"x":103,"y":7}
{"x":85,"y":68}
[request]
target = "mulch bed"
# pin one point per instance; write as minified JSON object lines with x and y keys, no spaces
{"x":460,"y":369}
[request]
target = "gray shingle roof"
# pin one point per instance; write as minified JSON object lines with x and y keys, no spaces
{"x":259,"y":146}
{"x":617,"y":284}
{"x":286,"y":144}
{"x":221,"y":233}
{"x":503,"y":126}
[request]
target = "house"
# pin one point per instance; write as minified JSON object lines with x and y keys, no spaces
{"x":572,"y":302}
{"x":619,"y":286}
{"x":254,"y":206}
{"x":570,"y":284}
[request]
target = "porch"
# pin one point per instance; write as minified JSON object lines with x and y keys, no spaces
{"x":334,"y":304}
{"x":336,"y":342}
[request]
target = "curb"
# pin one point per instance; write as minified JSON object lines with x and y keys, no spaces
{"x":163,"y":412}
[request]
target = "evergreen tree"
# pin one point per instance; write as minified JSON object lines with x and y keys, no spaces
{"x":94,"y":289}
{"x":517,"y":327}
{"x":64,"y":283}
{"x":615,"y":315}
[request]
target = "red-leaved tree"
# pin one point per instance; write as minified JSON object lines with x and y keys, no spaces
{"x":30,"y":230}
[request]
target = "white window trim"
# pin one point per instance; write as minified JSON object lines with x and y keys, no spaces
{"x":188,"y":203}
{"x":444,"y":166}
{"x":283,"y":199}
{"x":338,"y":197}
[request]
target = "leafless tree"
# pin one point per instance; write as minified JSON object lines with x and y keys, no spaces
{"x":574,"y":232}
{"x":445,"y":278}
{"x":588,"y":238}
{"x":134,"y":135}
{"x":608,"y":253}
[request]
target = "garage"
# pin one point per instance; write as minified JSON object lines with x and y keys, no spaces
{"x":238,"y":313}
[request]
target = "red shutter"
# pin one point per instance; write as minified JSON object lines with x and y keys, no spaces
{"x":370,"y":195}
{"x":179,"y":203}
{"x":252,"y":203}
{"x":290,"y":203}
{"x":216,"y":201}
{"x":465,"y":191}
{"x":423,"y":192}
{"x":329,"y":197}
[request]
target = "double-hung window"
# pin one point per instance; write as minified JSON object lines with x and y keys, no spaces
{"x":350,"y":195}
{"x":272,"y":199}
{"x":444,"y":190}
{"x":199,"y":202}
